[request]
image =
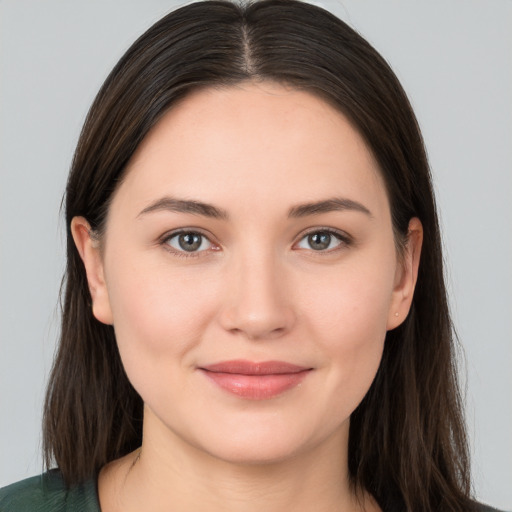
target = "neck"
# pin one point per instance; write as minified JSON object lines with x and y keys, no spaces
{"x":170,"y":474}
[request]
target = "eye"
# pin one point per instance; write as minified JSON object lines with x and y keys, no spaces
{"x":322,"y":240}
{"x":188,"y":241}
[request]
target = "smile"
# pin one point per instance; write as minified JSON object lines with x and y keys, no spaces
{"x":255,"y":381}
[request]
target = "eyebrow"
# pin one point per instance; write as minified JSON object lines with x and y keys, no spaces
{"x":328,"y":205}
{"x":208,"y":210}
{"x":185,"y":206}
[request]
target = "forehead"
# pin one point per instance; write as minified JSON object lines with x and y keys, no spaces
{"x":257,"y":142}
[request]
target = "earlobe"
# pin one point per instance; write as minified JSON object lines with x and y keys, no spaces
{"x":89,"y":250}
{"x":407,"y":275}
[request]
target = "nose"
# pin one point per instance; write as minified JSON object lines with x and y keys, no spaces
{"x":257,"y":305}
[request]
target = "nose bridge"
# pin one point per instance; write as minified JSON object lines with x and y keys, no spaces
{"x":256,"y":303}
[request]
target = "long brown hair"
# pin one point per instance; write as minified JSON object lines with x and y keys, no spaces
{"x":407,"y":442}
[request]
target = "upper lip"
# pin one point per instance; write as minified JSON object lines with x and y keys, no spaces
{"x":242,"y":367}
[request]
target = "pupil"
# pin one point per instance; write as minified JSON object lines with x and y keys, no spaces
{"x":319,"y":241}
{"x":190,"y":241}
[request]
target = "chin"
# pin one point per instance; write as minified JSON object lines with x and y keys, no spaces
{"x":256,"y":453}
{"x":261,"y":441}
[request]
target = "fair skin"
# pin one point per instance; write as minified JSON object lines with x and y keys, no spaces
{"x":258,"y":275}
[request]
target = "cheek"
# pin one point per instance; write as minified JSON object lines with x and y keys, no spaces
{"x":352,"y":303}
{"x":159,"y":316}
{"x":348,"y":318}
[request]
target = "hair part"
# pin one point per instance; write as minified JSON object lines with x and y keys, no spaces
{"x":407,"y":443}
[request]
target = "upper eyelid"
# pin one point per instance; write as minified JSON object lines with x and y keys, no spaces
{"x":333,"y":231}
{"x":174,"y":232}
{"x":304,"y":232}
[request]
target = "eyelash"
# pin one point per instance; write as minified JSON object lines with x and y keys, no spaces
{"x":344,"y":239}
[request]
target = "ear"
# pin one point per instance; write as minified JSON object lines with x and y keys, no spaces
{"x":406,"y":275}
{"x":89,"y":250}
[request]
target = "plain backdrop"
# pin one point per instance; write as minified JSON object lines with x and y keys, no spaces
{"x":454,"y":58}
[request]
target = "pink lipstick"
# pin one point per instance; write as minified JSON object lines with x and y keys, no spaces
{"x":255,"y":381}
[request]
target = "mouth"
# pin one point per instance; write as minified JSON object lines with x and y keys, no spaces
{"x":255,"y":381}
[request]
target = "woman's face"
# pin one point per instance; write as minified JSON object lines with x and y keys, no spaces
{"x":249,"y":269}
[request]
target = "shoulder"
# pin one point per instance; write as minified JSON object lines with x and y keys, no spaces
{"x":48,"y":493}
{"x":485,"y":508}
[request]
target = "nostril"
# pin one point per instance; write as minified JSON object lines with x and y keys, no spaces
{"x":254,"y":333}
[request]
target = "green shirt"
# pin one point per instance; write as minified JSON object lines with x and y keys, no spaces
{"x":48,"y":493}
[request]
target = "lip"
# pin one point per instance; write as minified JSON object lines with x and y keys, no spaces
{"x":255,"y":380}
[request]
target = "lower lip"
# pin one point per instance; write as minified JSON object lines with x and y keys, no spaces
{"x":256,"y":387}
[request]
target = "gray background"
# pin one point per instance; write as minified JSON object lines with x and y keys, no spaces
{"x":454,"y":58}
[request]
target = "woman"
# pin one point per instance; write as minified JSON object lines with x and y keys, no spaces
{"x":254,"y":314}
